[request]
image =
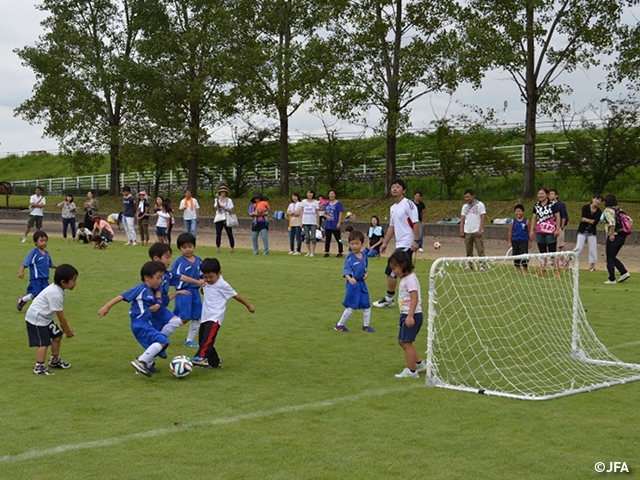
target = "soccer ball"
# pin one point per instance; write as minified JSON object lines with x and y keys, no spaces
{"x":436,"y":245}
{"x":181,"y":366}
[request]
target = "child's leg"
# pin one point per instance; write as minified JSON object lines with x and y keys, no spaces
{"x":171,"y":326}
{"x":208,"y":335}
{"x":410,"y":354}
{"x":151,"y":352}
{"x":193,"y":330}
{"x":41,"y":354}
{"x":366,"y":317}
{"x":345,"y":316}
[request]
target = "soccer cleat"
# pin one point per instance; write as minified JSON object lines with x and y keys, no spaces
{"x":190,"y":343}
{"x":624,"y":277}
{"x":21,"y":303}
{"x":141,"y":367}
{"x":200,"y":361}
{"x":406,"y":373}
{"x":42,"y":371}
{"x":152,"y":368}
{"x":610,"y":282}
{"x":163,"y":353}
{"x":367,"y":328}
{"x":340,"y":328}
{"x":421,"y":367}
{"x":211,"y":367}
{"x":60,"y":364}
{"x":383,"y":303}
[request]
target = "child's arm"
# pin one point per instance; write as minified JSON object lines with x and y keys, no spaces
{"x":409,"y":321}
{"x":21,"y":272}
{"x":64,"y":325}
{"x":193,"y":281}
{"x":510,"y":234}
{"x":250,"y":307}
{"x":350,"y":279}
{"x":178,"y":292}
{"x":104,"y":310}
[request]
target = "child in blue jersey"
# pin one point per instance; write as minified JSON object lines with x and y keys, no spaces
{"x":357,"y":294}
{"x":39,"y":262}
{"x":188,"y":307}
{"x":519,"y":238}
{"x":143,"y":302}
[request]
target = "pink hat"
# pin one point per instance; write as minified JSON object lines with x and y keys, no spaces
{"x":143,"y":192}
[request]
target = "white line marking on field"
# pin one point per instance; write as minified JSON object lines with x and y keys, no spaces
{"x":627,"y":344}
{"x":217,"y":421}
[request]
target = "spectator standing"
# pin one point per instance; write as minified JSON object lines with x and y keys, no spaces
{"x":544,"y":228}
{"x":36,"y":212}
{"x":519,"y":238}
{"x":591,"y":214}
{"x":294,"y":213}
{"x":90,"y":209}
{"x":615,"y":240}
{"x":68,"y":216}
{"x":259,"y":212}
{"x":129,"y":215}
{"x":417,"y":199}
{"x":190,"y":213}
{"x":223,"y":206}
{"x":332,"y":222}
{"x":564,"y":216}
{"x":143,"y":217}
{"x":472,"y":219}
{"x":310,"y":221}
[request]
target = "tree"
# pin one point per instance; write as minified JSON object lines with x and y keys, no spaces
{"x":185,"y":68}
{"x":81,"y":90}
{"x":627,"y":65}
{"x":602,"y":151}
{"x":535,"y":42}
{"x":282,"y":60}
{"x":391,"y":53}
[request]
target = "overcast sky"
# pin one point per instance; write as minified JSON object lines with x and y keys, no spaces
{"x":20,"y":26}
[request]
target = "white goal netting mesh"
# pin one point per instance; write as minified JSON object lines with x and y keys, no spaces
{"x":492,"y":330}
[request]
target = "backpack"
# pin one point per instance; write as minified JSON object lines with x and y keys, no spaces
{"x":623,"y":222}
{"x":278,"y":215}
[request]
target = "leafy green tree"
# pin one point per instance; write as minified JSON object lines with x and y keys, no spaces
{"x":81,"y":90}
{"x":600,"y":151}
{"x":392,"y":52}
{"x":535,"y":42}
{"x":184,"y":67}
{"x":627,"y":65}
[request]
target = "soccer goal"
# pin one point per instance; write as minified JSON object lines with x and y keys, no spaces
{"x":495,"y":331}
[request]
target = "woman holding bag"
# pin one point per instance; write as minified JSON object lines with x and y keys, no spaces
{"x":223,"y":206}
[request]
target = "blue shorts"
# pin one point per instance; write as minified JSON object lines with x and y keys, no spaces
{"x":161,"y":232}
{"x":146,"y":334}
{"x":357,"y":296}
{"x":406,"y":334}
{"x":188,"y":307}
{"x":37,"y":285}
{"x":160,"y":318}
{"x":41,"y":335}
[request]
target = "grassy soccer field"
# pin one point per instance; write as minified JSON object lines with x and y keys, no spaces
{"x":294,"y":399}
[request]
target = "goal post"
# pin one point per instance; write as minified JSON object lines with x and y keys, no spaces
{"x":497,"y":331}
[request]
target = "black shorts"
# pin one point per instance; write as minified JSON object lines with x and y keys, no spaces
{"x":41,"y":335}
{"x":387,"y":270}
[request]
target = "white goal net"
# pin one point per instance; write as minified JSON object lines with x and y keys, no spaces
{"x":495,"y":331}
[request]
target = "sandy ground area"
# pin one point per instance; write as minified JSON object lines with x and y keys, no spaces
{"x":278,"y":241}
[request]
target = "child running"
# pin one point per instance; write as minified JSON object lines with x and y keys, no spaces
{"x":39,"y":262}
{"x":410,"y":303}
{"x":188,"y":307}
{"x":143,"y":302}
{"x":519,"y":238}
{"x":42,"y":329}
{"x":216,"y":293}
{"x":357,"y":294}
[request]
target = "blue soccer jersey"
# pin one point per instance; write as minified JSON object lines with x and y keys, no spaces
{"x":168,"y":280}
{"x":140,"y":298}
{"x":39,"y":264}
{"x":188,"y":307}
{"x":356,"y":296}
{"x":356,"y":267}
{"x":183,"y":266}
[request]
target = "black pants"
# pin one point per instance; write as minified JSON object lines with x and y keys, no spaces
{"x":69,"y":222}
{"x":612,"y":249}
{"x":229,"y":230}
{"x":207,"y":337}
{"x":327,"y":240}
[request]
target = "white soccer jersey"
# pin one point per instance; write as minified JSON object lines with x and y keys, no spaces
{"x":214,"y":303}
{"x":403,"y":216}
{"x":45,"y":305}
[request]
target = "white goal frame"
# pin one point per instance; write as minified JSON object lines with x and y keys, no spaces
{"x":598,"y":358}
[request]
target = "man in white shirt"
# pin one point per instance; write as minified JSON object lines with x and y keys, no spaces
{"x":405,"y":226}
{"x":191,"y":213}
{"x":36,"y":212}
{"x":472,"y":219}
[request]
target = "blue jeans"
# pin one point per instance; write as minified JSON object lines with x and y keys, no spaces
{"x":421,"y":237}
{"x":265,"y":240}
{"x":295,"y":235}
{"x":190,"y":226}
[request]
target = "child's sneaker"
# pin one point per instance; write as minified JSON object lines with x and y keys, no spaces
{"x":340,"y":328}
{"x":163,"y":353}
{"x":200,"y":361}
{"x":60,"y":364}
{"x":406,"y":373}
{"x":383,"y":303}
{"x":367,"y":328}
{"x":421,"y":367}
{"x":211,"y":367}
{"x":21,"y":303}
{"x":152,"y":368}
{"x":42,"y":371}
{"x":24,"y":239}
{"x":141,"y":367}
{"x":189,"y":343}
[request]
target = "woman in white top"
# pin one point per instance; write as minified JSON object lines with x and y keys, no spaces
{"x":223,"y":205}
{"x":294,"y":212}
{"x":310,"y":207}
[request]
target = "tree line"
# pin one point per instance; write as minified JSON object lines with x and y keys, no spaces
{"x":149,"y":80}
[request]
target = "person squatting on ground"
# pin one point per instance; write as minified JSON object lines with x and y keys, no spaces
{"x":38,"y":262}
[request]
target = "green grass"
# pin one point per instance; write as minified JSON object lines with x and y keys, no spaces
{"x":295,"y":399}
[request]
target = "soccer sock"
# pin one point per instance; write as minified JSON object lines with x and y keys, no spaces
{"x":366,"y":316}
{"x":27,"y":298}
{"x":39,"y":365}
{"x":193,"y":330}
{"x":345,"y":316}
{"x":171,"y":326}
{"x":389,"y":296}
{"x":150,"y":353}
